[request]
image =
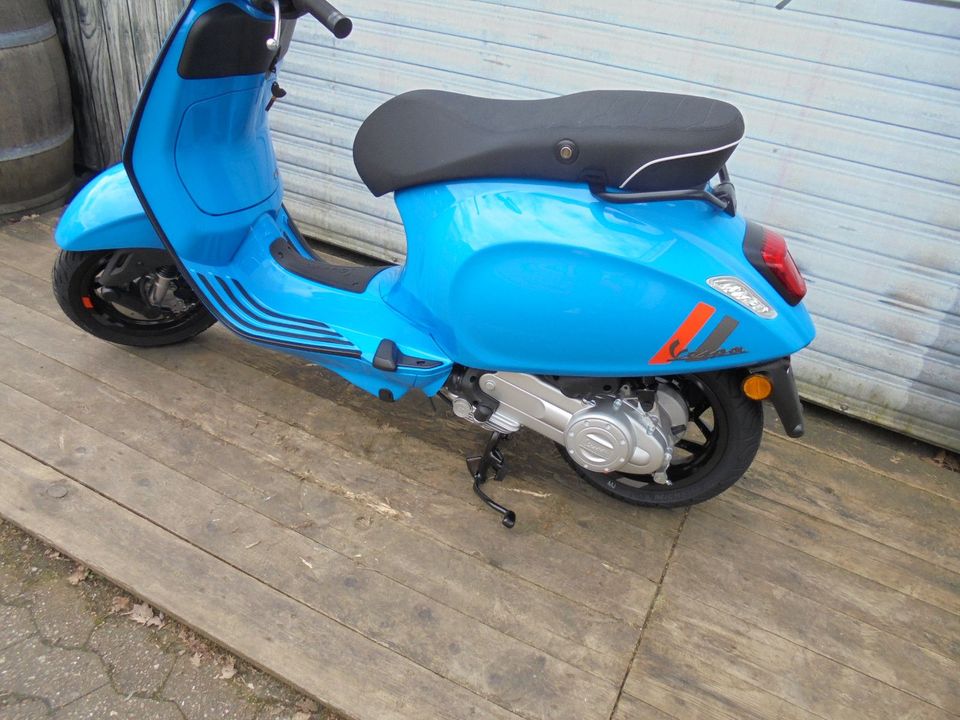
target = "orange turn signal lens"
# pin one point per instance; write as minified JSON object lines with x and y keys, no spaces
{"x":757,"y":387}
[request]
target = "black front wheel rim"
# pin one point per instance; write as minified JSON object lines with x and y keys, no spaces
{"x":118,"y":318}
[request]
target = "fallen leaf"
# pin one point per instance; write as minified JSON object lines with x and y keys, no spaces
{"x":194,"y":643}
{"x":195,"y":659}
{"x":228,"y":670}
{"x":946,"y":460}
{"x":143,"y":614}
{"x":121,"y":603}
{"x":307,"y":705}
{"x":301,"y":716}
{"x":78,"y":575}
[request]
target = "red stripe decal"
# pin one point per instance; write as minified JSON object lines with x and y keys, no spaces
{"x":687,"y":331}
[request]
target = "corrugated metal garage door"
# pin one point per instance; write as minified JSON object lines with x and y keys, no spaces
{"x":853,"y":119}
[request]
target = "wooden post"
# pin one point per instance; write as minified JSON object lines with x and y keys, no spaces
{"x":110,"y":47}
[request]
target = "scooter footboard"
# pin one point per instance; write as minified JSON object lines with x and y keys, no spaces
{"x":347,"y":328}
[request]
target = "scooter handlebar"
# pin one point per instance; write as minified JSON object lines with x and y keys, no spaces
{"x":335,"y":21}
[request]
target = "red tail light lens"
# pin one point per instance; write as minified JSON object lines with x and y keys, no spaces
{"x":777,"y":257}
{"x":767,"y":252}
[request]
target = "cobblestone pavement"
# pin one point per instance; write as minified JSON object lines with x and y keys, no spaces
{"x":75,"y":647}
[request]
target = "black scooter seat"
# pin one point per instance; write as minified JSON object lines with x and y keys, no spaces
{"x":636,"y":141}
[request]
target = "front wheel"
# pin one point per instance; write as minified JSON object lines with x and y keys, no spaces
{"x":147,"y":306}
{"x":720,"y":441}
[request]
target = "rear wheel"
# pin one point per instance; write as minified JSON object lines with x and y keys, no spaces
{"x":719,"y":443}
{"x":156,"y":307}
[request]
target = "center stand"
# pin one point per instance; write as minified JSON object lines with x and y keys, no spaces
{"x":480,"y":465}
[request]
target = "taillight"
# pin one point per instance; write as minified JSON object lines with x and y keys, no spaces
{"x":778,"y":258}
{"x":767,"y":252}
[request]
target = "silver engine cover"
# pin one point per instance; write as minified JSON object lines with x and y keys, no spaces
{"x":605,"y":434}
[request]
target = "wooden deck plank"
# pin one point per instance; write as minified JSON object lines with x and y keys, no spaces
{"x":454,"y":520}
{"x":872,"y":448}
{"x":768,"y":675}
{"x":630,"y":708}
{"x":672,"y":679}
{"x":48,"y":221}
{"x":535,"y":463}
{"x":914,"y":521}
{"x":412,"y":429}
{"x":728,"y":587}
{"x":30,"y":257}
{"x":830,"y":586}
{"x":635,"y":538}
{"x":853,"y":552}
{"x":36,"y":258}
{"x":310,"y":651}
{"x":569,"y":631}
{"x":452,"y":645}
{"x":824,"y":585}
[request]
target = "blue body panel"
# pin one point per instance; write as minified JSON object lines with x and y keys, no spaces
{"x":512,"y":275}
{"x":106,"y":215}
{"x":544,"y":278}
{"x":202,"y":160}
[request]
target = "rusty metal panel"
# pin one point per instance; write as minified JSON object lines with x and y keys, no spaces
{"x":852,"y":149}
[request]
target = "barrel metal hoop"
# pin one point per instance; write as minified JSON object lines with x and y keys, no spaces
{"x":49,"y":201}
{"x":41,"y":146}
{"x":28,"y":36}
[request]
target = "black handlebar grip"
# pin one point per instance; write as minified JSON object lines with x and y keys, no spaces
{"x":335,"y":21}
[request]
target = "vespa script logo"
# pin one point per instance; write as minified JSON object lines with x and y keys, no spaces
{"x":676,"y":349}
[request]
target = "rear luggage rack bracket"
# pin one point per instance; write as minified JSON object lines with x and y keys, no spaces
{"x":723,"y":196}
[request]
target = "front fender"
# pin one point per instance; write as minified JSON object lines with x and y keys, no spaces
{"x":106,"y":215}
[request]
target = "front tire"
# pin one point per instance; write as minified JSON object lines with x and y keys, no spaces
{"x":78,"y":291}
{"x":722,"y":439}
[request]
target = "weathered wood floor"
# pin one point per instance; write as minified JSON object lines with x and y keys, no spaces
{"x":334,"y":541}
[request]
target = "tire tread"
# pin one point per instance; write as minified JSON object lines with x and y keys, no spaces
{"x":747,"y":426}
{"x":66,"y":268}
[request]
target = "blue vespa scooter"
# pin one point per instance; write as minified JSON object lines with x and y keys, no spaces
{"x":570,"y":268}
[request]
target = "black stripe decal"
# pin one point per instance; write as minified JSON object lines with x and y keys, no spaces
{"x":267,"y":311}
{"x":257,"y":333}
{"x":323,"y":335}
{"x":716,"y":338}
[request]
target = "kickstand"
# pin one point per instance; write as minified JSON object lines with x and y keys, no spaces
{"x":480,"y":465}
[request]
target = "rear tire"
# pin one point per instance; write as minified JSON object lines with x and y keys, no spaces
{"x":731,"y":426}
{"x":75,"y":288}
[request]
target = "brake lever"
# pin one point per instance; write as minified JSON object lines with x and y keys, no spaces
{"x":273,"y":44}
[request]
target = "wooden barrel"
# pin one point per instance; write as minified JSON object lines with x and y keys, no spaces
{"x":36,"y":119}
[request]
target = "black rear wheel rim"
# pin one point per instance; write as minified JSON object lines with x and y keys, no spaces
{"x":695,"y":455}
